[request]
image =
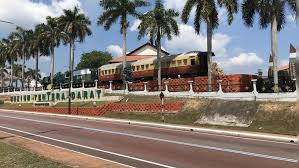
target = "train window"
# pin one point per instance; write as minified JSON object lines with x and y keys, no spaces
{"x":168,"y":63}
{"x":146,"y":66}
{"x":179,"y":62}
{"x":137,"y":68}
{"x":142,"y":67}
{"x":105,"y":72}
{"x":133,"y":68}
{"x":172,"y":62}
{"x":152,"y":65}
{"x":113,"y":71}
{"x":109,"y":72}
{"x":192,"y":61}
{"x":185,"y":61}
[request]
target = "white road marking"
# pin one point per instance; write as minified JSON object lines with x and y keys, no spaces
{"x":87,"y":147}
{"x":163,"y":140}
{"x":70,"y":150}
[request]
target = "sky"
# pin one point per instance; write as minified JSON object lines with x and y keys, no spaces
{"x":238,"y":49}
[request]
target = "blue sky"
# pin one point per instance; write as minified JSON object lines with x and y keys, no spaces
{"x":238,"y":49}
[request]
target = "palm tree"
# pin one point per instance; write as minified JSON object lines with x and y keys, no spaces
{"x":271,"y":13}
{"x":206,"y":10}
{"x":3,"y":74}
{"x":53,"y":36}
{"x":76,"y":26}
{"x":159,"y":23}
{"x":38,"y":47}
{"x":18,"y":72}
{"x":21,"y":44}
{"x":9,"y":53}
{"x":30,"y":74}
{"x":120,"y":9}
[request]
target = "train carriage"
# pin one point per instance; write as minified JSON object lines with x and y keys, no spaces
{"x":189,"y":64}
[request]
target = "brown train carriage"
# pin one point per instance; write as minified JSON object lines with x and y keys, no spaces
{"x":185,"y":65}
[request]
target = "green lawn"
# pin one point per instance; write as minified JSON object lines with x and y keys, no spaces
{"x":14,"y":157}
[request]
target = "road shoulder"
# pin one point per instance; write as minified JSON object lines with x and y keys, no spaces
{"x":64,"y":156}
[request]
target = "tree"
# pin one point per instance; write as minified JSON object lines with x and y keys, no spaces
{"x":3,"y":74}
{"x":93,"y":60}
{"x":76,"y":26}
{"x":120,"y":9}
{"x":3,"y":59}
{"x":59,"y":77}
{"x":53,"y":35}
{"x":21,"y":44}
{"x":216,"y":70}
{"x":31,"y":74}
{"x":18,"y":72}
{"x":206,"y":10}
{"x":271,"y":13}
{"x":158,"y":23}
{"x":38,"y":47}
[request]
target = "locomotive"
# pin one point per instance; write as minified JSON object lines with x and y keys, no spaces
{"x":190,"y":64}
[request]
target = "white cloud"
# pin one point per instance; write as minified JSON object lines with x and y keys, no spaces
{"x":45,"y":59}
{"x":27,"y":13}
{"x":242,"y":63}
{"x":115,"y":50}
{"x":291,"y":18}
{"x":188,"y":40}
{"x":135,"y":25}
{"x":246,"y":59}
{"x":178,"y":5}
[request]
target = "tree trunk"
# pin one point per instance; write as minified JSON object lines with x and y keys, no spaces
{"x":124,"y":47}
{"x":23,"y":68}
{"x":36,"y":68}
{"x":158,"y":45}
{"x":72,"y":52}
{"x":11,"y":73}
{"x":274,"y":52}
{"x":209,"y":55}
{"x":52,"y":65}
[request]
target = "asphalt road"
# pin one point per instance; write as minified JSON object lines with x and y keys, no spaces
{"x":139,"y":146}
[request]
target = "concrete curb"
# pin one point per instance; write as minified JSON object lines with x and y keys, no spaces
{"x":241,"y":134}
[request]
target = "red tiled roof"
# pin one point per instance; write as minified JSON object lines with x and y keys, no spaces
{"x":283,"y":67}
{"x":131,"y":58}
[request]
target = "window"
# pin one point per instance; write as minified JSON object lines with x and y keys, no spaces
{"x":106,"y":72}
{"x":113,"y":71}
{"x":185,"y":61}
{"x":137,"y":68}
{"x":173,"y":63}
{"x":142,"y":67}
{"x":109,"y":72}
{"x":133,"y":68}
{"x":146,"y":66}
{"x":168,"y":63}
{"x":179,"y":62}
{"x":116,"y":71}
{"x":192,"y":61}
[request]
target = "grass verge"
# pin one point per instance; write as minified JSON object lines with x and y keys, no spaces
{"x":270,"y":125}
{"x":14,"y":157}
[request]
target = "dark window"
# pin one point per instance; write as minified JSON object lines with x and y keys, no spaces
{"x":192,"y":61}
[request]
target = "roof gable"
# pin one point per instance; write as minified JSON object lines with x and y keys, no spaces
{"x":138,"y":51}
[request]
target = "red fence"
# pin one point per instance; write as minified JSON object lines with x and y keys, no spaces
{"x":230,"y":83}
{"x":111,"y":107}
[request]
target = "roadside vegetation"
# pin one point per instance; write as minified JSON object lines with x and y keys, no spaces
{"x":14,"y":157}
{"x":267,"y":117}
